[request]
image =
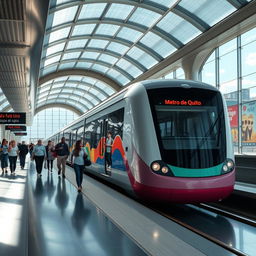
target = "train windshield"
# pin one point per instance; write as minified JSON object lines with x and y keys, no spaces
{"x":190,"y":126}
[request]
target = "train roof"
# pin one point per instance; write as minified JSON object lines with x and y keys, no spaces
{"x":162,"y":83}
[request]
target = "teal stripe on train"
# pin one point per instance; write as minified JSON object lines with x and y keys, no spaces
{"x":189,"y":173}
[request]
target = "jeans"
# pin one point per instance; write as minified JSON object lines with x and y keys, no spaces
{"x":4,"y":161}
{"x":22,"y":161}
{"x":39,"y":163}
{"x":49,"y":162}
{"x":79,"y":171}
{"x":108,"y":157}
{"x":13,"y":160}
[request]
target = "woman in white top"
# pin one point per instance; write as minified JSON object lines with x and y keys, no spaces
{"x":79,"y":154}
{"x":4,"y":155}
{"x":39,"y":154}
{"x":13,"y":154}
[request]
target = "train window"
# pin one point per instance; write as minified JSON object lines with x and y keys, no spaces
{"x":96,"y":132}
{"x":115,"y":123}
{"x":88,"y":133}
{"x":80,"y":134}
{"x":67,"y":138}
{"x":190,"y":126}
{"x":73,"y":137}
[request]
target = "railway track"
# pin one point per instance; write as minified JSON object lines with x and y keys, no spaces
{"x":228,"y":214}
{"x":218,"y":242}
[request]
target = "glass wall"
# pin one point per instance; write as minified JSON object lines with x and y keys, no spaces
{"x":47,"y":122}
{"x":175,"y":74}
{"x":232,"y":68}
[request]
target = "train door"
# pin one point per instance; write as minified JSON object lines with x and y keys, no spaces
{"x":114,"y":126}
{"x":101,"y":130}
{"x":103,"y":145}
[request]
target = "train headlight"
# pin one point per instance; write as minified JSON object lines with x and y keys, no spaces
{"x":155,"y":166}
{"x":164,"y":169}
{"x":228,"y":166}
{"x":225,"y":168}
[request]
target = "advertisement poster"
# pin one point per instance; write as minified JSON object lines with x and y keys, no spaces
{"x":233,"y":118}
{"x":248,"y":123}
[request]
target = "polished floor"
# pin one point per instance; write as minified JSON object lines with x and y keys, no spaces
{"x":66,"y":223}
{"x":45,"y":216}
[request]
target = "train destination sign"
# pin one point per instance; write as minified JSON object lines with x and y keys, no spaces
{"x":15,"y":128}
{"x":183,"y":102}
{"x":12,"y":118}
{"x":20,"y":134}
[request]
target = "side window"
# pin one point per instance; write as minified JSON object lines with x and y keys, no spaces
{"x":93,"y":132}
{"x":88,"y":133}
{"x":115,"y":123}
{"x":80,"y":134}
{"x":73,"y":137}
{"x":67,"y":137}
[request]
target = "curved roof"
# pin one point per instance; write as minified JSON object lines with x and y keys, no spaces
{"x":4,"y":103}
{"x":78,"y":91}
{"x":117,"y":39}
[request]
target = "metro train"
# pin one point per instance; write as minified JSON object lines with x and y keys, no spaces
{"x":171,"y":141}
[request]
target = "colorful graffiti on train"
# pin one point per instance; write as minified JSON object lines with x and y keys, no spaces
{"x":97,"y":155}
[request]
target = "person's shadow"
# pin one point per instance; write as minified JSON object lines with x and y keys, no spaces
{"x":80,"y":215}
{"x":62,"y":198}
{"x":49,"y":186}
{"x":39,"y":190}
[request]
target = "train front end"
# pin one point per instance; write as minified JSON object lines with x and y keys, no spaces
{"x":193,"y":160}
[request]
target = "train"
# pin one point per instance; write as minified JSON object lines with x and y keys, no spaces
{"x":171,"y":141}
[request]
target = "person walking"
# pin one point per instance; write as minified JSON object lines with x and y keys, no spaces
{"x":79,"y":155}
{"x":39,"y":154}
{"x":13,"y":154}
{"x":23,"y":150}
{"x":49,"y":155}
{"x":30,"y":148}
{"x":62,"y":156}
{"x":4,"y":155}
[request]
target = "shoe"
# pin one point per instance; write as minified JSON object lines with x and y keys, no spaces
{"x":51,"y":170}
{"x":64,"y":176}
{"x":6,"y":171}
{"x":79,"y":189}
{"x":58,"y":172}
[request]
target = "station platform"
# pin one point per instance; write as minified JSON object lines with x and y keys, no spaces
{"x":248,"y":190}
{"x":46,"y":216}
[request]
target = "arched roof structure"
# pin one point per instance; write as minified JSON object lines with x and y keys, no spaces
{"x":4,"y":103}
{"x":114,"y":42}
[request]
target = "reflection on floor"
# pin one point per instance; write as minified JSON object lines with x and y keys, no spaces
{"x":13,"y":213}
{"x":63,"y":222}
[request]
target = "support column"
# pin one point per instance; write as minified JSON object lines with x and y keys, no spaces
{"x":192,"y":64}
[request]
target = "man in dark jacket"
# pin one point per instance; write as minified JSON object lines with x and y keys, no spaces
{"x":23,"y":150}
{"x":62,"y":155}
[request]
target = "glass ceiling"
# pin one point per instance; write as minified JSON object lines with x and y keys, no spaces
{"x":81,"y":92}
{"x":119,"y":39}
{"x":4,"y":103}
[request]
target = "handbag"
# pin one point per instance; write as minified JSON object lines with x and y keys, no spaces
{"x":54,"y":154}
{"x":87,"y":162}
